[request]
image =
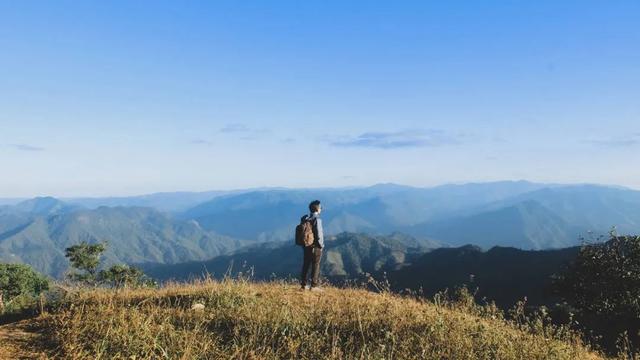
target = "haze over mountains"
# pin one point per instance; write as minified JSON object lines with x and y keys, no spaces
{"x":37,"y":232}
{"x":518,"y":214}
{"x":173,"y":228}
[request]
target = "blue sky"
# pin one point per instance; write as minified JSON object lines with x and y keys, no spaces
{"x":127,"y":97}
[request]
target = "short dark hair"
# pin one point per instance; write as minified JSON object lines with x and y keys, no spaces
{"x":314,"y":206}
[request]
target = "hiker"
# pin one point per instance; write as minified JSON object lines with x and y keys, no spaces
{"x":310,"y":236}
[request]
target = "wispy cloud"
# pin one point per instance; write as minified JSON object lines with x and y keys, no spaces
{"x":26,"y":147}
{"x":396,"y":140}
{"x":235,"y":128}
{"x":617,"y":142}
{"x":201,"y":142}
{"x":243,"y":131}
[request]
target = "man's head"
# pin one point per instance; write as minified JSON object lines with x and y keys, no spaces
{"x":315,"y":207}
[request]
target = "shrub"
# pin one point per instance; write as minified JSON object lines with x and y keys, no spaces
{"x":123,"y":276}
{"x":603,"y":286}
{"x":19,"y":286}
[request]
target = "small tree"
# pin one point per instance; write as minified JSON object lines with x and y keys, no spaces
{"x":603,"y":285}
{"x":20,"y":280}
{"x":122,"y":276}
{"x":86,"y":258}
{"x":605,"y":278}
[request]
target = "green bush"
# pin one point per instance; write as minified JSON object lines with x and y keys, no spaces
{"x":603,"y":287}
{"x":123,"y":276}
{"x":20,"y":286}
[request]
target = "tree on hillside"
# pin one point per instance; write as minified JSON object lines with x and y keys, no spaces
{"x":603,"y":285}
{"x":122,"y":276}
{"x":19,"y":280}
{"x":605,"y":278}
{"x":85,"y":257}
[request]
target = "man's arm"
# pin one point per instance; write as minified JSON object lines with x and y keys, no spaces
{"x":320,"y":232}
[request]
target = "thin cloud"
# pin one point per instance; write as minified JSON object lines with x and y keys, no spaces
{"x":396,"y":140}
{"x":27,"y":147}
{"x":243,"y":131}
{"x":235,"y":128}
{"x":617,"y":142}
{"x":201,"y":142}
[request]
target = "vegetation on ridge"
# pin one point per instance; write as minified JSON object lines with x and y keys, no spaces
{"x":602,"y":286}
{"x":276,"y":320}
{"x":19,"y":286}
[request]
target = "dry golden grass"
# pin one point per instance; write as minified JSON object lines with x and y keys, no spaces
{"x":244,"y":320}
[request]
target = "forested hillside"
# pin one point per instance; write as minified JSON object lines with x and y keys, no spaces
{"x":37,"y":233}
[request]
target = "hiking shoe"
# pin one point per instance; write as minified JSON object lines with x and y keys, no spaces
{"x":305,"y":287}
{"x":317,"y":289}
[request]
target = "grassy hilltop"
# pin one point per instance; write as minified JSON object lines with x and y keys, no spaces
{"x":244,"y":320}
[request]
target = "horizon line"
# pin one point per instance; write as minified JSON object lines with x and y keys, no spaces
{"x":319,"y":188}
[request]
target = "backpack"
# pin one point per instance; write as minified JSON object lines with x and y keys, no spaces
{"x":304,"y":232}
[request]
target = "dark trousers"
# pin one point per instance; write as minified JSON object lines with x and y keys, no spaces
{"x":311,"y":260}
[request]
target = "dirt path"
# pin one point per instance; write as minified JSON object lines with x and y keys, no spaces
{"x":20,"y":340}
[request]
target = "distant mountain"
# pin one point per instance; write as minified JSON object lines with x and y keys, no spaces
{"x":171,"y":201}
{"x":13,"y":217}
{"x":505,"y":275}
{"x":133,"y":234}
{"x":348,"y":255}
{"x":551,"y":217}
{"x":10,"y":219}
{"x":526,"y":225}
{"x":271,"y":215}
{"x":10,"y":201}
{"x":590,"y":207}
{"x":164,"y":201}
{"x":519,"y":214}
{"x":42,"y":206}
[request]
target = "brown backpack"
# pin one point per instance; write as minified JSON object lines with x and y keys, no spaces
{"x":304,"y":232}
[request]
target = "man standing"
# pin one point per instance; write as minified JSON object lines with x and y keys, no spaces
{"x":313,"y":253}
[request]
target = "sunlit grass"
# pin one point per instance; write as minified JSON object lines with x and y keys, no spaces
{"x":276,"y":320}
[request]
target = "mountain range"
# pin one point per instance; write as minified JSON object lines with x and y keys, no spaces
{"x":37,"y":232}
{"x":218,"y":226}
{"x":517,"y":214}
